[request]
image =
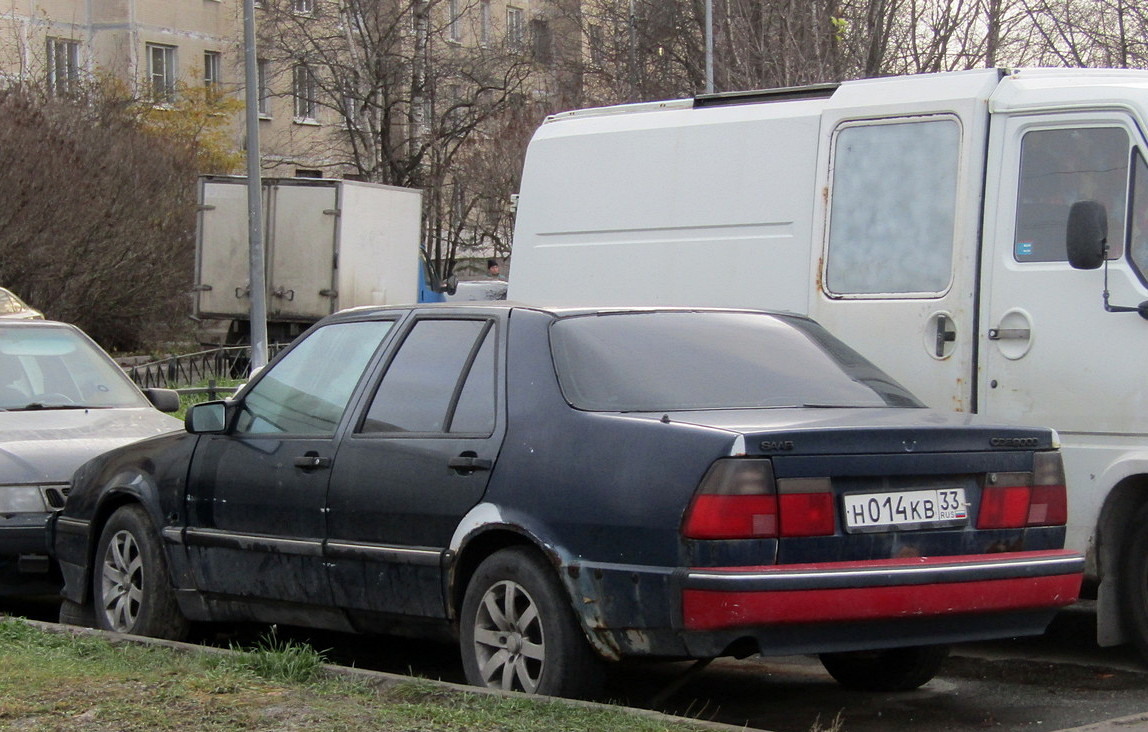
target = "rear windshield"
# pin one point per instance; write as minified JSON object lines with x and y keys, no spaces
{"x":669,"y":361}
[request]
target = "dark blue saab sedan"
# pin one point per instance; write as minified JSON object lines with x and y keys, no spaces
{"x":558,"y":488}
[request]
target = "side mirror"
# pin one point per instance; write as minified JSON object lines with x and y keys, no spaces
{"x":165,"y":400}
{"x":1087,"y":234}
{"x":449,"y":285}
{"x":206,"y":418}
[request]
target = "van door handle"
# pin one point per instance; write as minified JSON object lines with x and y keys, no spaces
{"x":1009,"y":334}
{"x":944,"y":335}
{"x":469,"y":462}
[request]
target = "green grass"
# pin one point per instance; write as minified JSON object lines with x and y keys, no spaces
{"x":187,"y":400}
{"x":51,"y":681}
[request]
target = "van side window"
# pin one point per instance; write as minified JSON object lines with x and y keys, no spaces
{"x":1138,"y":228}
{"x":892,"y":213}
{"x":1058,"y":168}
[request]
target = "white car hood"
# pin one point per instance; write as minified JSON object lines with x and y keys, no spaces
{"x":46,"y":446}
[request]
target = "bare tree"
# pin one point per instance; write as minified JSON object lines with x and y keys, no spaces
{"x":418,"y":86}
{"x":97,"y":225}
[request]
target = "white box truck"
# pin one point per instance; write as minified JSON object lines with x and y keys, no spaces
{"x":329,"y":245}
{"x":924,"y":220}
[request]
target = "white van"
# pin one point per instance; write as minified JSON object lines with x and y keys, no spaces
{"x":923,"y":220}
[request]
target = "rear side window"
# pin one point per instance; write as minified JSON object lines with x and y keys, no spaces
{"x":893,"y":208}
{"x":668,"y":361}
{"x":441,"y":380}
{"x":1058,"y":168}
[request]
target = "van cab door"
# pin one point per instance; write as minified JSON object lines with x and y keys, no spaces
{"x":901,"y":211}
{"x":1050,"y":353}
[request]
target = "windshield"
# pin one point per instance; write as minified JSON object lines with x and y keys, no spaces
{"x":672,"y":361}
{"x":48,"y":367}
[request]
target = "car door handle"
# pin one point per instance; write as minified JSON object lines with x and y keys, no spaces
{"x":312,"y":461}
{"x":469,"y":462}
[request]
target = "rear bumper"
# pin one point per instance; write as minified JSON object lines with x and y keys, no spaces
{"x":847,"y":592}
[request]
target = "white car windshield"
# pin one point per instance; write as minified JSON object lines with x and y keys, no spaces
{"x":57,"y":367}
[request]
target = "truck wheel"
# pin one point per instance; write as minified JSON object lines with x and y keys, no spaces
{"x":518,"y":632}
{"x":131,"y":586}
{"x":892,"y":669}
{"x":1133,"y":578}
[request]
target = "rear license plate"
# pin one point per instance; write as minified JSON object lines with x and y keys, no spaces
{"x":905,"y":510}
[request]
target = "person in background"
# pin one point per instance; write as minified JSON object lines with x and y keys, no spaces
{"x":492,"y":269}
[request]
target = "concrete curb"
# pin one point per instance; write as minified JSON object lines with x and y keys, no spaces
{"x":383,"y":680}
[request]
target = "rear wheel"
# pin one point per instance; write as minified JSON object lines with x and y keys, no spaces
{"x":1134,"y":581}
{"x":518,"y":632}
{"x":131,"y":585}
{"x":892,"y":669}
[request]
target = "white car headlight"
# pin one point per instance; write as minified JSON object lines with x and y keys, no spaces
{"x":22,"y":499}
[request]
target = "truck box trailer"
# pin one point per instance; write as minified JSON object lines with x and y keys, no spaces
{"x":329,"y":245}
{"x":922,"y":219}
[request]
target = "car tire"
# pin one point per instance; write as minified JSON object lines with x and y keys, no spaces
{"x":892,"y":669}
{"x":519,"y":633}
{"x":131,"y":585}
{"x":1133,"y":579}
{"x":73,"y":613}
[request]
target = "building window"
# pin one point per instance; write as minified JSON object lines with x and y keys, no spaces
{"x":540,"y":38}
{"x":515,"y":29}
{"x":63,"y":66}
{"x":305,"y":93}
{"x":597,"y":46}
{"x":484,"y":23}
{"x":161,"y":72}
{"x":264,"y":92}
{"x":211,"y":70}
{"x":454,"y":24}
{"x":303,"y":7}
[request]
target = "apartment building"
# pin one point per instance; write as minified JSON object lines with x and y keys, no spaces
{"x":157,"y":46}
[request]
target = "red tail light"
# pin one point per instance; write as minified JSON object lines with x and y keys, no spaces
{"x":1016,"y":500}
{"x":739,"y":499}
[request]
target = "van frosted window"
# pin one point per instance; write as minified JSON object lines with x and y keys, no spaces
{"x":892,"y":213}
{"x":1059,"y":168}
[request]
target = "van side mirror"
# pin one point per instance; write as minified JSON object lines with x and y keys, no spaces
{"x":1087,"y":234}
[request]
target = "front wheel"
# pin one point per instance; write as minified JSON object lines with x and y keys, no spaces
{"x":518,"y":632}
{"x":131,"y":585}
{"x":1133,"y":578}
{"x":892,"y":669}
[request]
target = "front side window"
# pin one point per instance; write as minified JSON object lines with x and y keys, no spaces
{"x":161,"y":72}
{"x":306,"y":106}
{"x":1138,"y":224}
{"x":440,"y":381}
{"x":306,"y":392}
{"x":893,"y":208}
{"x":63,"y":66}
{"x":672,"y":361}
{"x":1058,"y":168}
